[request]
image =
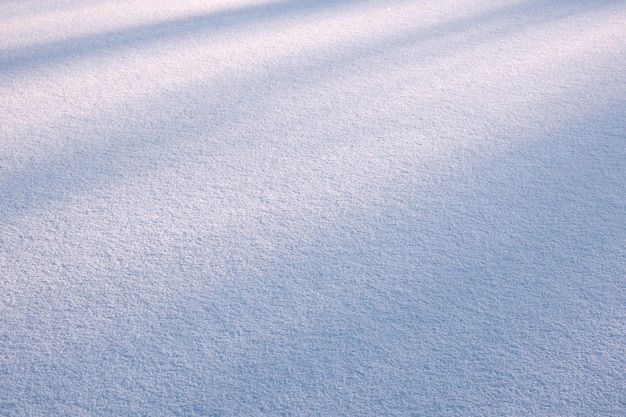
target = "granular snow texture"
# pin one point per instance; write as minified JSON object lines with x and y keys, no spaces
{"x":312,"y":208}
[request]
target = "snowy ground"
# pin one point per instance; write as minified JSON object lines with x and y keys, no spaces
{"x":312,"y":208}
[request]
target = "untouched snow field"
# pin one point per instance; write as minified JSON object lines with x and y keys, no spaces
{"x":312,"y":208}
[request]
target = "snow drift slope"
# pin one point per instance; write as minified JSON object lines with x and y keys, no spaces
{"x":312,"y":208}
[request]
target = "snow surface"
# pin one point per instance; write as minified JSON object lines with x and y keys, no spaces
{"x":312,"y":208}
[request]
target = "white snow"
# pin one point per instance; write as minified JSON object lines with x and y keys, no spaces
{"x":313,"y":208}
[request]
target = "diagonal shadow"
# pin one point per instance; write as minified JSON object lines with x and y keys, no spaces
{"x":140,"y":36}
{"x":79,"y":170}
{"x":447,"y":321}
{"x":407,"y":314}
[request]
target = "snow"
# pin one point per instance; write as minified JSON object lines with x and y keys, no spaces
{"x":338,"y":207}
